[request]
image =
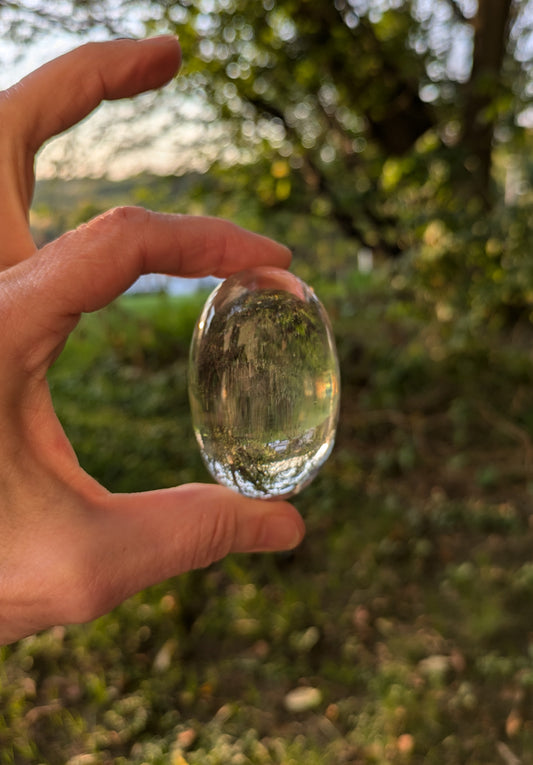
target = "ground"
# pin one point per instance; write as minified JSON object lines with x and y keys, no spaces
{"x":404,"y":617}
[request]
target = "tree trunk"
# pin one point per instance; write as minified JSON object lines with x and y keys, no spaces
{"x":491,"y":34}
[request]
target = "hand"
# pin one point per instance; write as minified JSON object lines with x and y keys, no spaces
{"x":69,"y":549}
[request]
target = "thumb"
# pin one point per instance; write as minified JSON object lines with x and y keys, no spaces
{"x":141,"y":539}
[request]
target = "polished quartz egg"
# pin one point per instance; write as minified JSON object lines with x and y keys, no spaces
{"x":264,"y":383}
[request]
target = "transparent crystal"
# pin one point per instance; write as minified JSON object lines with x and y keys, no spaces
{"x":264,"y":383}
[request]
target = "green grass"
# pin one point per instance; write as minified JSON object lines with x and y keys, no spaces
{"x":408,"y":606}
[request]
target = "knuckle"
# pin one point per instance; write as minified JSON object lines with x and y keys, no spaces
{"x":116,"y":219}
{"x":116,"y":226}
{"x":216,"y":533}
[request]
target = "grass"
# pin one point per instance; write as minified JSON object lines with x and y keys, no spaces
{"x":407,"y":606}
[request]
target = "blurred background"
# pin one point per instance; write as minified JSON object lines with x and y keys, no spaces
{"x":390,"y":145}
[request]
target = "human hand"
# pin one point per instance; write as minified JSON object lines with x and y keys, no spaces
{"x":69,"y":549}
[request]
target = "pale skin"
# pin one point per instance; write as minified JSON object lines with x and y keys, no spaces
{"x":69,"y":549}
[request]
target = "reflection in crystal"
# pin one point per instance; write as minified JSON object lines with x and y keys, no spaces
{"x":264,"y":383}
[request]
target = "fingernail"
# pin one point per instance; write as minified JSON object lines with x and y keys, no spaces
{"x":162,"y":37}
{"x":155,"y":40}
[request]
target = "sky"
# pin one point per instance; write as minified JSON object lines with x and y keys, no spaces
{"x":92,"y":148}
{"x":75,"y":149}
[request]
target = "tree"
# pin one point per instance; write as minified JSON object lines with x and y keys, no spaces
{"x":348,"y":102}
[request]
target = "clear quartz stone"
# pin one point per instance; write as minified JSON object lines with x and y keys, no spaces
{"x":264,"y":383}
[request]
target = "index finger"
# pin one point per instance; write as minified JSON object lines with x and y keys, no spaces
{"x":86,"y":269}
{"x":81,"y":79}
{"x":89,"y":267}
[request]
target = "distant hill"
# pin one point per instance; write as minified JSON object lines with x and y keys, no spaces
{"x":245,"y":195}
{"x":60,"y":205}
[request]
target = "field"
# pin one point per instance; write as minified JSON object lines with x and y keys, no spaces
{"x":401,"y":630}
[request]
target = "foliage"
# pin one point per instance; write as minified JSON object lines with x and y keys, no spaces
{"x":344,"y":124}
{"x":469,"y":276}
{"x":406,"y":608}
{"x":404,"y":616}
{"x":332,"y":105}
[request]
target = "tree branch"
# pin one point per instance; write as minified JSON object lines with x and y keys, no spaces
{"x":322,"y":183}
